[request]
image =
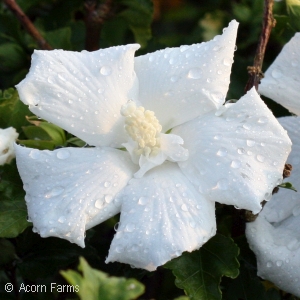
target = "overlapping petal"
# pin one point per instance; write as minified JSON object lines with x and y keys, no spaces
{"x":7,"y":138}
{"x":186,"y":82}
{"x":162,"y":215}
{"x":236,"y":156}
{"x":82,"y":92}
{"x":275,"y":235}
{"x":72,"y":189}
{"x":282,"y":80}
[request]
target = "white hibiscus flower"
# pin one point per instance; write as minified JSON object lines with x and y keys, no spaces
{"x":275,"y":234}
{"x":282,"y":79}
{"x":164,"y":185}
{"x":7,"y":138}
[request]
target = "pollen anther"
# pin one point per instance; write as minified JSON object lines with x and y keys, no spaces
{"x":143,"y":127}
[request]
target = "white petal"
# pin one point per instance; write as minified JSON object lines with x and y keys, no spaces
{"x":287,"y":202}
{"x":82,"y":92}
{"x":162,"y":215}
{"x":179,"y":84}
{"x":277,"y":248}
{"x":282,"y":79}
{"x":72,"y":189}
{"x":237,"y":157}
{"x":170,"y":149}
{"x":7,"y":138}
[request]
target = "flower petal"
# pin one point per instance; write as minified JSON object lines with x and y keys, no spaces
{"x":277,"y":249}
{"x":186,"y":82}
{"x":82,"y":92}
{"x":236,"y":157}
{"x":281,"y":81}
{"x":72,"y":189}
{"x":7,"y":138}
{"x":162,"y":215}
{"x":287,"y":202}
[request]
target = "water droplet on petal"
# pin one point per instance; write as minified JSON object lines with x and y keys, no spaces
{"x":276,"y":73}
{"x":227,"y":61}
{"x":143,"y":200}
{"x":235,"y":164}
{"x":269,"y":264}
{"x":99,"y":203}
{"x":116,"y":226}
{"x":192,"y":224}
{"x":119,"y":249}
{"x":108,"y":198}
{"x":50,"y":79}
{"x":34,"y":153}
{"x":107,"y":184}
{"x":218,"y":137}
{"x":241,"y":151}
{"x":62,"y":154}
{"x":296,"y":211}
{"x":62,"y":219}
{"x":222,"y":152}
{"x":195,"y":73}
{"x":260,"y":158}
{"x":222,"y":184}
{"x":263,"y":120}
{"x":100,"y":91}
{"x":184,"y":207}
{"x":105,"y":70}
{"x":130,"y":227}
{"x":250,"y":143}
{"x":54,"y":192}
{"x":279,"y":263}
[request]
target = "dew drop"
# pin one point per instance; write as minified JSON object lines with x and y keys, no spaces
{"x":241,"y":151}
{"x":119,"y":249}
{"x":63,"y":154}
{"x":54,"y":192}
{"x":192,"y":224}
{"x":235,"y":164}
{"x":269,"y":264}
{"x":250,"y":143}
{"x":217,"y":97}
{"x":62,"y":76}
{"x":195,"y":73}
{"x":279,"y":263}
{"x":222,"y":184}
{"x":116,"y":226}
{"x":260,"y":158}
{"x":184,"y":207}
{"x":105,"y":70}
{"x":35,"y":154}
{"x":108,"y":198}
{"x":130,"y":227}
{"x":263,"y":120}
{"x":227,"y":62}
{"x":107,"y":184}
{"x":50,"y":79}
{"x":218,"y":137}
{"x":174,"y":78}
{"x":276,"y":73}
{"x":143,"y":200}
{"x":62,"y":219}
{"x":296,"y":211}
{"x":99,"y":203}
{"x":222,"y":152}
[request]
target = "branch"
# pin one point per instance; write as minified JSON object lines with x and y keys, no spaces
{"x":28,"y":25}
{"x":255,"y":72}
{"x":95,"y":17}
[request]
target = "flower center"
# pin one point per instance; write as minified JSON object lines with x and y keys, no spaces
{"x":143,"y":127}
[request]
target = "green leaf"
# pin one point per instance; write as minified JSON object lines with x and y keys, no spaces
{"x":287,"y":185}
{"x":138,"y":16}
{"x":12,"y":57}
{"x":12,"y":110}
{"x":38,"y":144}
{"x":293,"y":9}
{"x":59,"y":38}
{"x":97,"y":285}
{"x":13,"y":210}
{"x":7,"y":253}
{"x":199,"y":273}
